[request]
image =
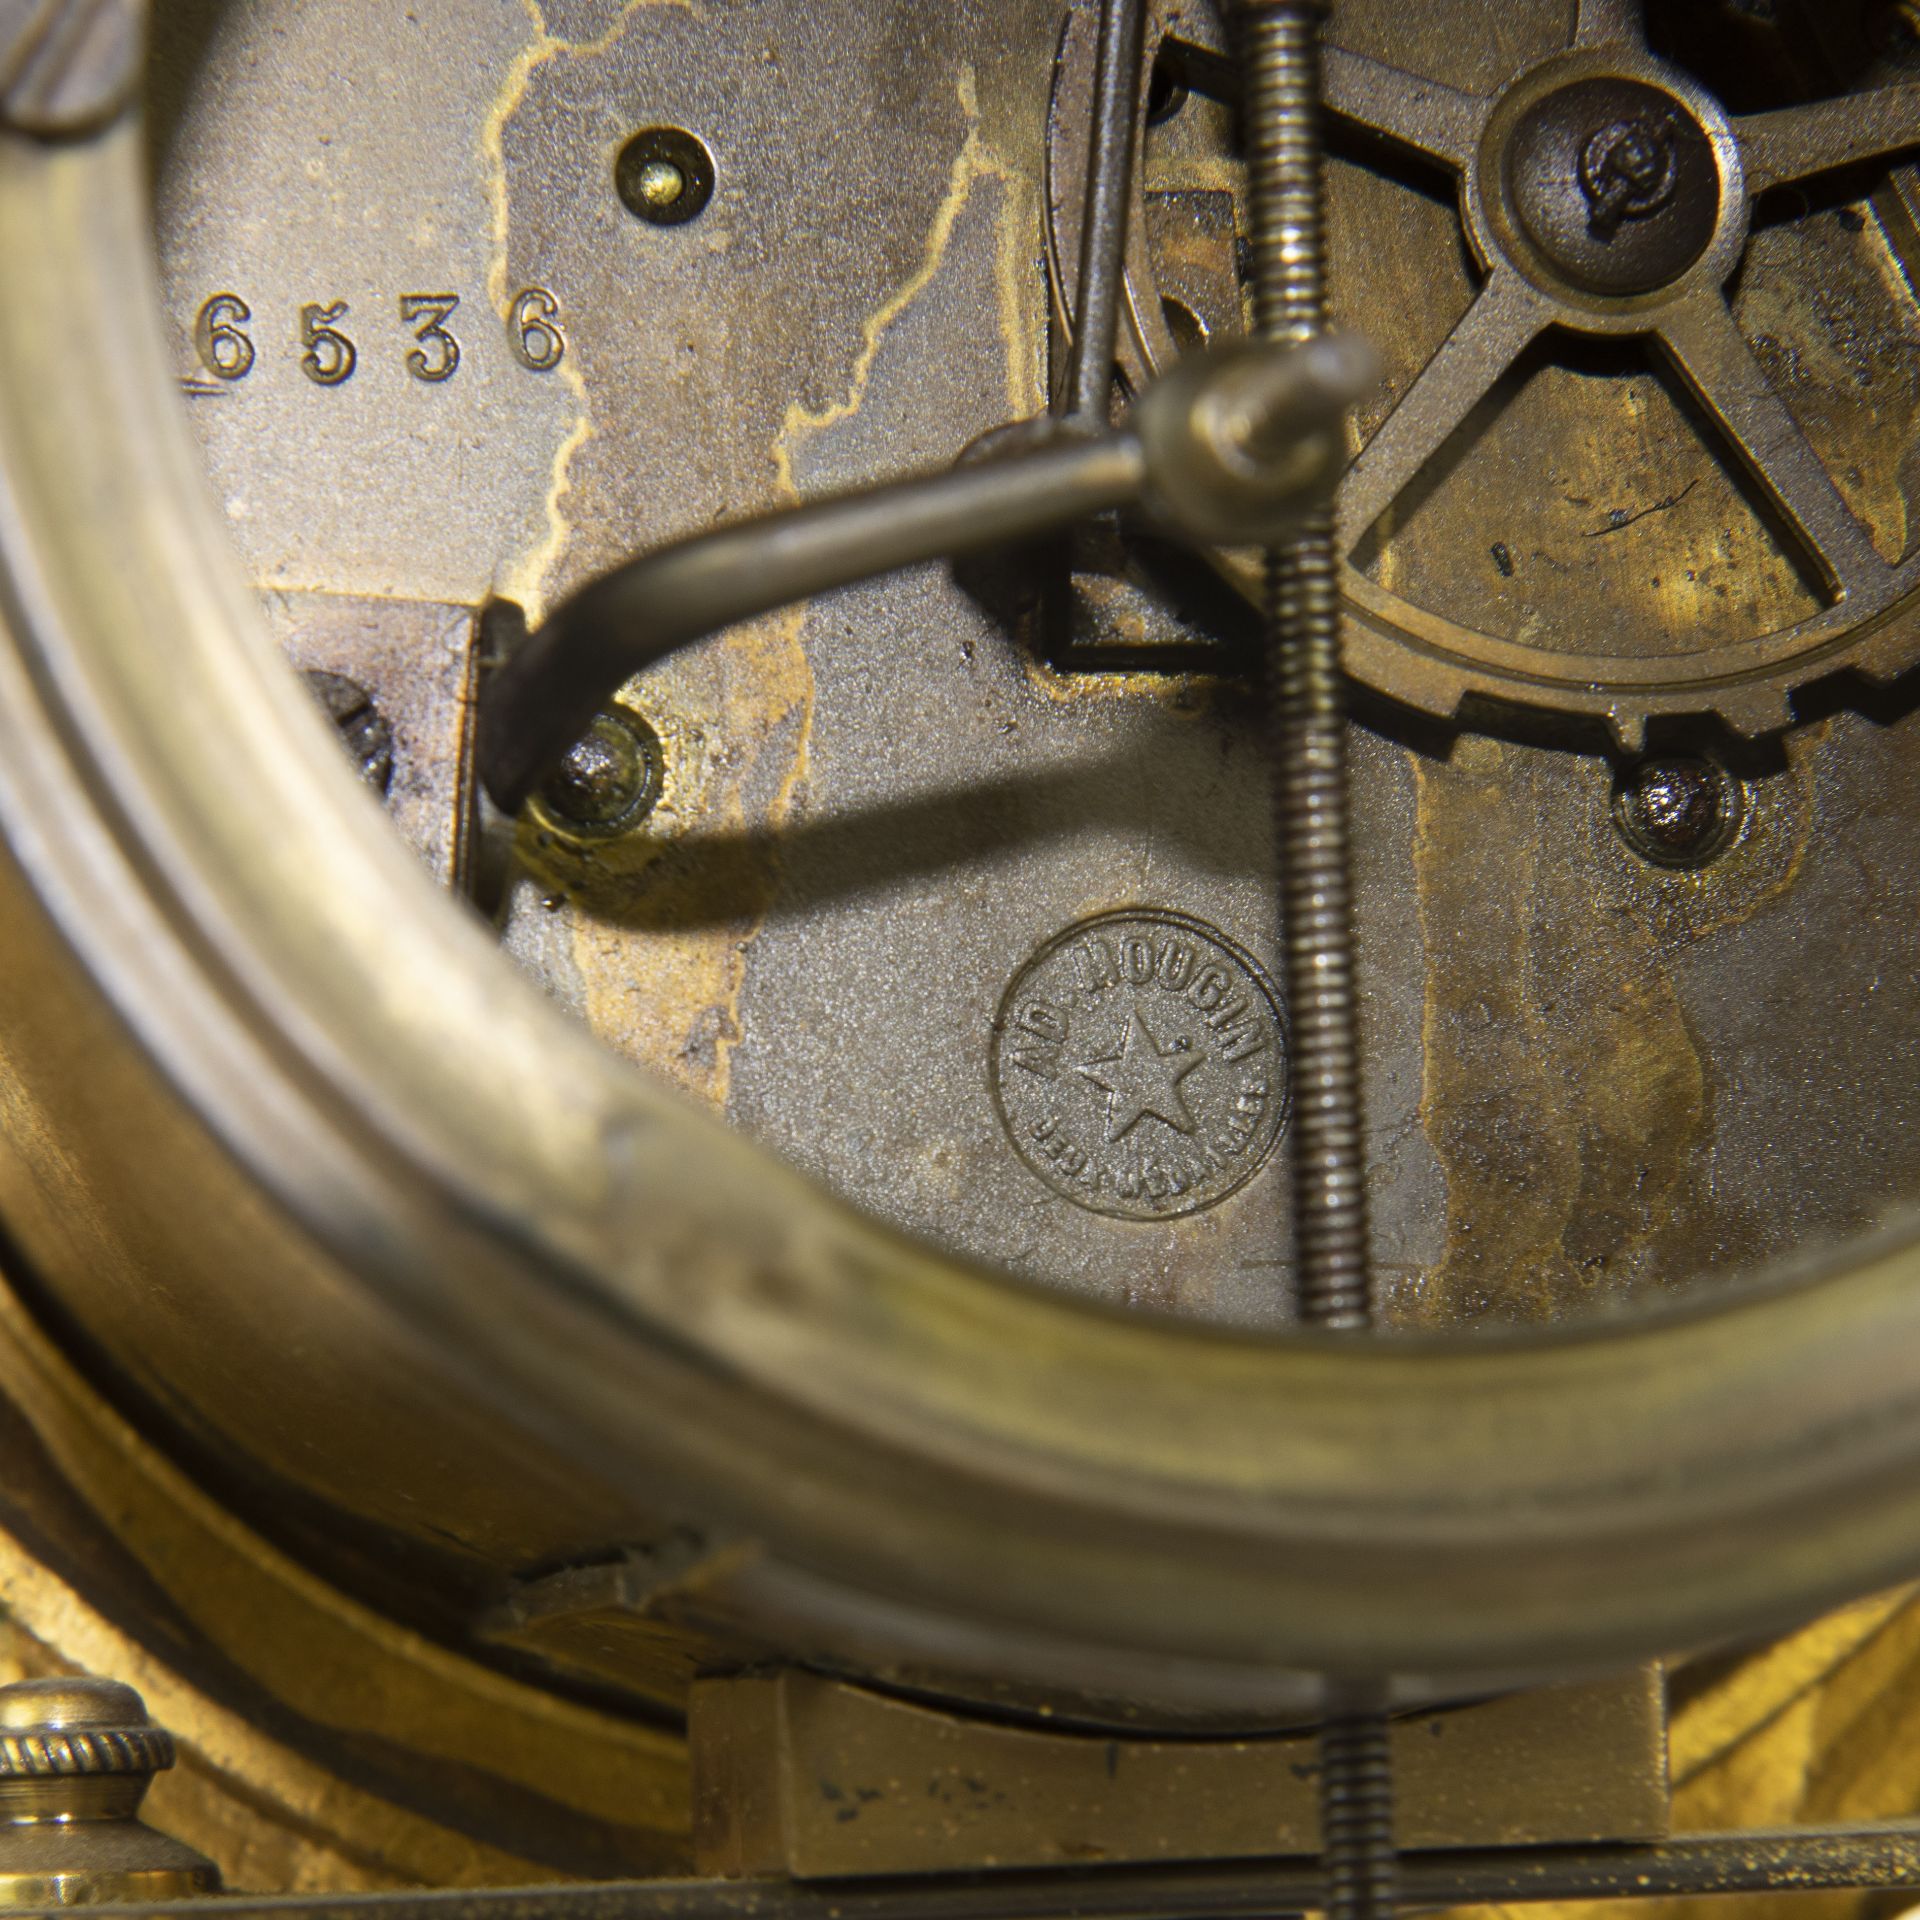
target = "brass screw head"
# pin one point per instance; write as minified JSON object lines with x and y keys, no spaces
{"x":664,"y":176}
{"x":1679,"y":810}
{"x":609,"y":780}
{"x":661,"y":183}
{"x":1615,"y":185}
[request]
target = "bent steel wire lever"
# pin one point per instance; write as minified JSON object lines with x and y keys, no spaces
{"x":1229,"y":447}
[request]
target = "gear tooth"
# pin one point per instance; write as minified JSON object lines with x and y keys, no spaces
{"x":1887,"y":654}
{"x":1629,"y":728}
{"x":1451,"y":682}
{"x":1755,"y":710}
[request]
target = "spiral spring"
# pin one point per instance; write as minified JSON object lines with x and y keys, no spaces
{"x":1307,"y":704}
{"x":1307,"y":717}
{"x":1356,"y":1816}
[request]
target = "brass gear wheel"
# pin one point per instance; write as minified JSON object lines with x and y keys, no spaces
{"x":1607,"y":200}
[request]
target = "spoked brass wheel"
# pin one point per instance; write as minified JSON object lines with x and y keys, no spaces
{"x":1620,"y":219}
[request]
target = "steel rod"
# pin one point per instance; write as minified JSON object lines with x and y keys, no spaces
{"x":1103,"y":224}
{"x":542,"y":699}
{"x":1880,"y":1855}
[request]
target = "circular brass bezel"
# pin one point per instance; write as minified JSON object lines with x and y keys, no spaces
{"x":977,"y":1461}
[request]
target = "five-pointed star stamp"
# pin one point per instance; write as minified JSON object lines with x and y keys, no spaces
{"x":1139,"y":1064}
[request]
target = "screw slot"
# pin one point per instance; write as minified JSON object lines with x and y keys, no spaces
{"x":609,"y":781}
{"x":1679,"y":810}
{"x":664,"y":176}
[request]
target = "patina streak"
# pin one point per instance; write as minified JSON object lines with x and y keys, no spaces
{"x":1564,"y":1093}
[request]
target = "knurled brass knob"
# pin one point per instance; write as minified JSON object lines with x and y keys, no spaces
{"x":76,"y":1756}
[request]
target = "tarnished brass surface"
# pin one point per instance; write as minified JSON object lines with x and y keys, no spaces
{"x":487,"y":1370}
{"x":624,"y":1621}
{"x":321,"y":1745}
{"x":1818,"y":1727}
{"x":542,"y":1312}
{"x":799,"y":1775}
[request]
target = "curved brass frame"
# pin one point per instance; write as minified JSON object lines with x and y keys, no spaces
{"x":276,"y":1044}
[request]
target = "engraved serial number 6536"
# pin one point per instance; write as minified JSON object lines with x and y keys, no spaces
{"x":427,"y":314}
{"x":329,"y":358}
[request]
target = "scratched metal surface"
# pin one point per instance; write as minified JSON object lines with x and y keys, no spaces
{"x":1618,"y":528}
{"x":1590,"y":1081}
